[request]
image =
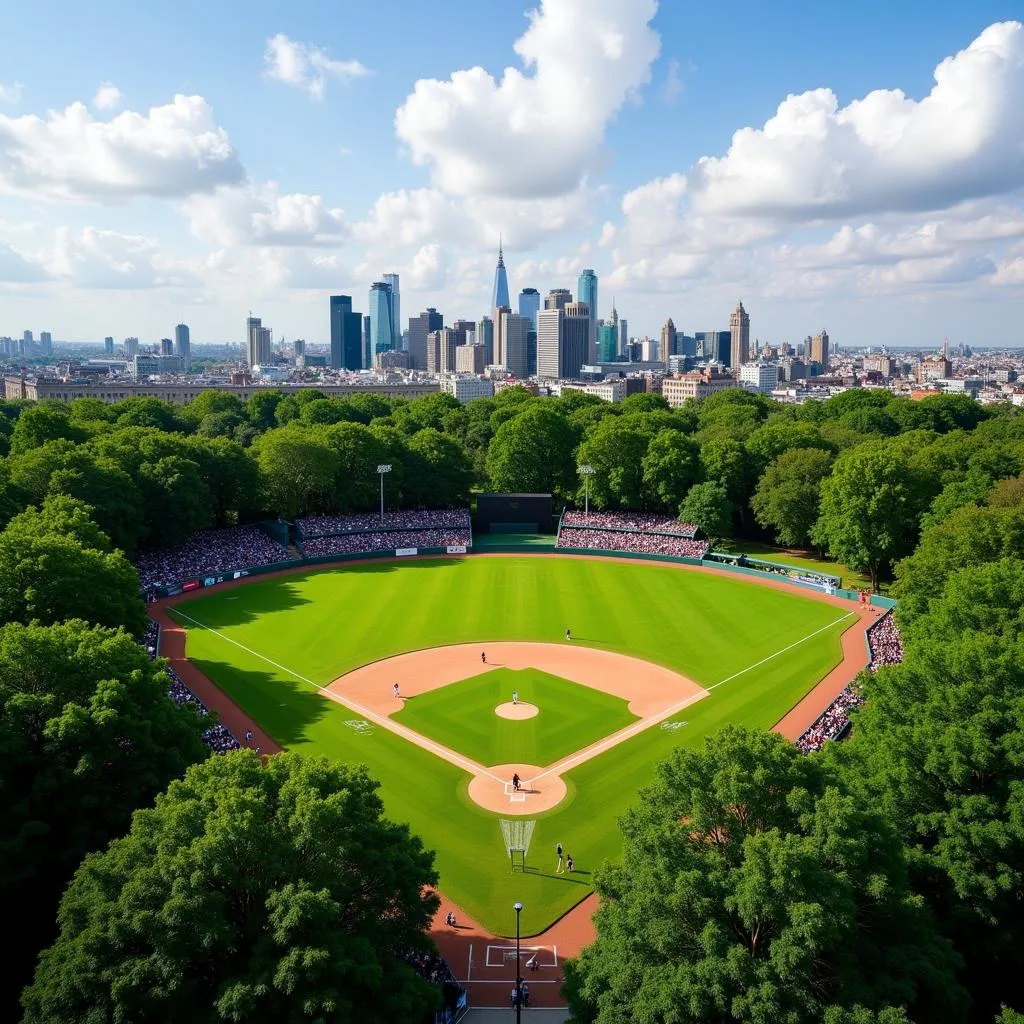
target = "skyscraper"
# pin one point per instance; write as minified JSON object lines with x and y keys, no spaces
{"x":512,"y":340}
{"x":131,"y":348}
{"x":166,"y":347}
{"x":499,"y":294}
{"x":668,"y":340}
{"x":46,"y":343}
{"x":346,"y":334}
{"x":819,"y":350}
{"x":739,"y":330}
{"x":257,"y":351}
{"x":382,"y":326}
{"x":183,"y":346}
{"x":419,"y":327}
{"x":485,"y":337}
{"x":396,"y":310}
{"x":586,"y":291}
{"x":108,"y":345}
{"x":529,"y":305}
{"x":563,"y":335}
{"x":557,"y":298}
{"x":623,"y":337}
{"x":607,"y":342}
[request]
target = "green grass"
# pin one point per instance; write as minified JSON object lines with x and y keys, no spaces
{"x":318,"y":625}
{"x":462,"y":716}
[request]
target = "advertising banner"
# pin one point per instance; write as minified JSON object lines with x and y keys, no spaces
{"x":191,"y":585}
{"x":405,"y":551}
{"x":456,"y":549}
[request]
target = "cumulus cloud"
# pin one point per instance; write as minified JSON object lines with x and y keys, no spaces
{"x":428,"y":269}
{"x":11,"y":93}
{"x":260,"y":215}
{"x":885,"y":152}
{"x":538,"y":131}
{"x":306,"y":66}
{"x":69,"y":156}
{"x":108,"y":97}
{"x":16,"y":268}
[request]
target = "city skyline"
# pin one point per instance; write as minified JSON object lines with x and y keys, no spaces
{"x":277,"y":162}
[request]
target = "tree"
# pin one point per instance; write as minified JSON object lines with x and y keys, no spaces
{"x":725,"y":460}
{"x":969,"y":536}
{"x":444,"y":476}
{"x":770,"y":441}
{"x":178,"y":502}
{"x":670,"y":468}
{"x":752,"y":888}
{"x":870,"y":508}
{"x":708,"y":506}
{"x":643,"y":402}
{"x":1007,"y":493}
{"x":44,"y":422}
{"x":87,"y":735}
{"x":261,"y":408}
{"x":250,"y":892}
{"x":297,"y":470}
{"x":533,"y":452}
{"x":359,"y":453}
{"x":214,"y":403}
{"x":616,"y":450}
{"x":788,"y":494}
{"x":56,"y":564}
{"x":144,"y":411}
{"x":290,"y":407}
{"x":228,"y":473}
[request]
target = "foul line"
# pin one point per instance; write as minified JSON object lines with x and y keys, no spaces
{"x":637,"y":727}
{"x":411,"y":735}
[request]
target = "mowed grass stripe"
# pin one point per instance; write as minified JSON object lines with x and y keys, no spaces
{"x":323,"y":624}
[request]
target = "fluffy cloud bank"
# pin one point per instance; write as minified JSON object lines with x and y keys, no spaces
{"x":69,"y":156}
{"x":535,"y":133}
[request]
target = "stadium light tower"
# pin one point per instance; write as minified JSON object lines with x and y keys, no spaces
{"x":519,"y":980}
{"x":382,"y":469}
{"x":587,"y":471}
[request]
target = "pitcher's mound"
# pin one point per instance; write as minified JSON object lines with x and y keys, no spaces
{"x":517,"y":711}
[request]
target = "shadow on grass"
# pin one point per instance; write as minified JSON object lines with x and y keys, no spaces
{"x":284,"y":707}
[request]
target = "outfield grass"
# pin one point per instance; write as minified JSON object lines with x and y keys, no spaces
{"x":851,"y":578}
{"x":315,"y":626}
{"x":462,"y":717}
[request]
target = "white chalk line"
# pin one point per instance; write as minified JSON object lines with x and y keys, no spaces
{"x":452,"y":756}
{"x":637,"y":727}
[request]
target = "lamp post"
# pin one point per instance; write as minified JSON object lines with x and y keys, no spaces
{"x":383,"y":468}
{"x":588,"y":472}
{"x":519,"y":980}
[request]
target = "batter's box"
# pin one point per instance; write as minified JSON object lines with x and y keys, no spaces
{"x":360,"y":725}
{"x":673,"y":726}
{"x":499,"y":956}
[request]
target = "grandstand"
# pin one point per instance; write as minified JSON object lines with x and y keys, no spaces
{"x":327,"y":536}
{"x":631,"y":532}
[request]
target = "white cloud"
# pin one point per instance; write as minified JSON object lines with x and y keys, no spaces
{"x":11,"y":93}
{"x":428,"y":269}
{"x":1010,"y":272}
{"x":16,"y":268}
{"x":306,"y":66}
{"x":174,"y":150}
{"x":260,"y":215}
{"x":534,"y":134}
{"x":672,"y":88}
{"x":885,"y":152}
{"x":108,"y":97}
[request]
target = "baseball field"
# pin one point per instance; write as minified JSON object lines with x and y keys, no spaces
{"x":658,"y":656}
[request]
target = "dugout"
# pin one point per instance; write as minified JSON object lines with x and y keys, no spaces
{"x":513,"y":513}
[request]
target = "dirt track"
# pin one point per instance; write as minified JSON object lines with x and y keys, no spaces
{"x":465,"y":946}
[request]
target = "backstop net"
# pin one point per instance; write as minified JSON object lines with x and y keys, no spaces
{"x":516,"y":835}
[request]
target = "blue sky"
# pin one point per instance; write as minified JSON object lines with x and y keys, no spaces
{"x":318,"y":145}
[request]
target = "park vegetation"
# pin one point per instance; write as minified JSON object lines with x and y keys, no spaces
{"x":878,"y":882}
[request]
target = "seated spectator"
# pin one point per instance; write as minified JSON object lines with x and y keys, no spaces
{"x":208,"y":552}
{"x":885,"y":642}
{"x":362,"y":543}
{"x":643,"y":543}
{"x":640,"y":522}
{"x":413,"y":519}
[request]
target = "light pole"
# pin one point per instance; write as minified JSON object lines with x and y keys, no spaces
{"x":588,"y":472}
{"x":384,"y":467}
{"x":519,"y":980}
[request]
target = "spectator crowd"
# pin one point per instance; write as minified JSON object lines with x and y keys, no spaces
{"x":356,"y":543}
{"x":208,"y":552}
{"x":885,"y":642}
{"x":415,"y":519}
{"x":640,"y":532}
{"x":831,"y":723}
{"x":641,"y":522}
{"x":218,"y":738}
{"x":434,"y":968}
{"x":886,"y":648}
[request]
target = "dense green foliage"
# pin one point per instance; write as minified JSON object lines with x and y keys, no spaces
{"x":248,"y":893}
{"x":753,"y":888}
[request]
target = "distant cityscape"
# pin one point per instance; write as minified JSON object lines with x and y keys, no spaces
{"x":549,"y":344}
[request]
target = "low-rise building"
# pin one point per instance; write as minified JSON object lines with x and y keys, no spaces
{"x":760,"y":377}
{"x":465,"y":388}
{"x":695,"y":385}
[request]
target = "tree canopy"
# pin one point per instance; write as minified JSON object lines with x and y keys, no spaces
{"x":250,"y":892}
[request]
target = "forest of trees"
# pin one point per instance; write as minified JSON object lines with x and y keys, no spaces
{"x":880,"y":881}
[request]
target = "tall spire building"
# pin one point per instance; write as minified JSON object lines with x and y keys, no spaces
{"x":586,"y":291}
{"x":739,"y":335}
{"x":499,"y":297}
